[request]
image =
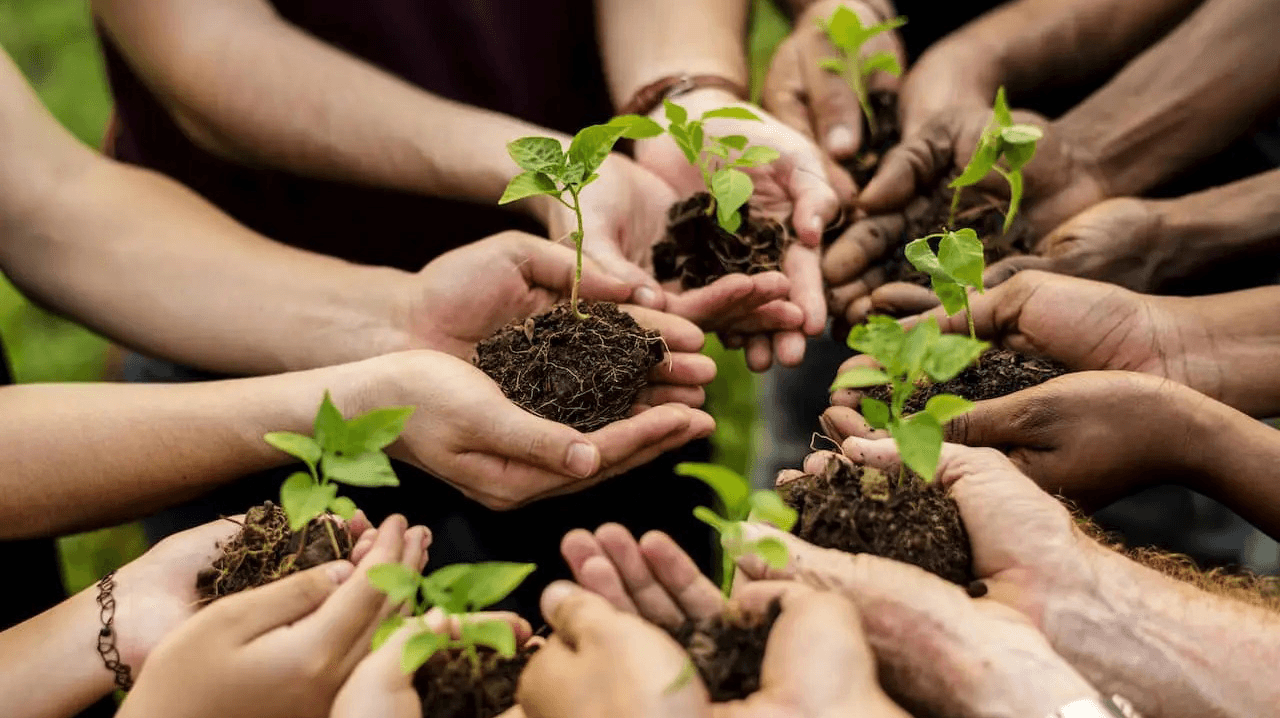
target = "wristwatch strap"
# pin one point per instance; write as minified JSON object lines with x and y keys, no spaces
{"x":648,"y":98}
{"x":1114,"y":707}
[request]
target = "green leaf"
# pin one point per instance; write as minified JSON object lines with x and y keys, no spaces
{"x":711,"y":518}
{"x":635,"y":127}
{"x":731,"y":189}
{"x":528,"y":184}
{"x":945,"y":407}
{"x":960,"y":254}
{"x":683,"y":141}
{"x":880,"y":337}
{"x":389,"y":626}
{"x":737,"y":142}
{"x":832,"y":64}
{"x":537,"y":154}
{"x":344,"y":507}
{"x":730,"y":113}
{"x":860,"y":377}
{"x":731,"y":487}
{"x":377,"y":429}
{"x":1004,"y":117}
{"x":883,"y":61}
{"x":984,"y":158}
{"x":769,"y":506}
{"x":398,"y":581}
{"x":1017,"y":156}
{"x":921,"y":256}
{"x":370,"y":468}
{"x":303,"y":499}
{"x":756,"y":155}
{"x":719,"y":151}
{"x":676,"y":114}
{"x":1021,"y":134}
{"x":919,"y":440}
{"x":1015,"y":197}
{"x":330,"y":428}
{"x":446,"y":587}
{"x":491,"y":581}
{"x":844,"y":29}
{"x":773,"y":551}
{"x":876,"y":412}
{"x":950,"y":293}
{"x":419,"y":649}
{"x":951,"y":353}
{"x":892,"y":23}
{"x":591,"y":145}
{"x":296,"y":445}
{"x":919,"y":341}
{"x":497,"y":635}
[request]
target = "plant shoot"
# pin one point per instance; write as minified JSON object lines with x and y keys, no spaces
{"x":956,"y":267}
{"x":845,"y":30}
{"x":739,"y":503}
{"x":1002,"y":139}
{"x":551,"y":171}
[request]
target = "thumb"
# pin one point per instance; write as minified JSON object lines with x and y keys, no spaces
{"x":816,"y":202}
{"x":1002,"y":271}
{"x":992,"y":422}
{"x":552,"y":266}
{"x":257,"y":611}
{"x":605,"y":255}
{"x":915,"y":162}
{"x":524,"y":438}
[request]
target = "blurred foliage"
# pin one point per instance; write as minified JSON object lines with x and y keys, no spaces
{"x":769,"y":27}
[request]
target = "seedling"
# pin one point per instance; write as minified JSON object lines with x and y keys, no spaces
{"x":342,"y":452}
{"x":551,"y":171}
{"x":907,"y":357}
{"x":845,"y":30}
{"x":457,"y":590}
{"x":729,"y":187}
{"x":958,"y":265}
{"x":1002,"y":139}
{"x":739,"y":503}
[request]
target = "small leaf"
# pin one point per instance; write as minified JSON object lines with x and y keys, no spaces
{"x":687,"y":673}
{"x":921,"y":256}
{"x":960,"y":254}
{"x":860,"y":377}
{"x":492,"y":581}
{"x":730,"y":113}
{"x":892,"y":23}
{"x":737,"y":142}
{"x":951,"y":294}
{"x":377,"y":429}
{"x":592,"y":145}
{"x":446,"y":587}
{"x":537,"y":154}
{"x":757,"y":155}
{"x":832,"y":64}
{"x":950,"y":354}
{"x":296,"y":445}
{"x":684,"y":142}
{"x":398,"y":581}
{"x":883,"y":61}
{"x":419,"y":649}
{"x":773,"y":551}
{"x":344,"y":507}
{"x":711,"y":518}
{"x":498,"y":635}
{"x":1015,"y":197}
{"x":768,"y":506}
{"x":718,"y":151}
{"x":1017,"y":156}
{"x":945,"y":407}
{"x":1004,"y":117}
{"x":1021,"y":134}
{"x":676,"y":114}
{"x":984,"y":158}
{"x":844,"y":29}
{"x":389,"y":626}
{"x":370,"y":468}
{"x":528,"y":184}
{"x":731,"y":189}
{"x":635,"y":127}
{"x":330,"y":428}
{"x":303,"y":499}
{"x":731,"y":487}
{"x":876,"y":412}
{"x":919,"y":440}
{"x":917,"y":345}
{"x":880,"y":337}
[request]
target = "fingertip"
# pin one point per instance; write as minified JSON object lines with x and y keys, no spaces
{"x":841,"y":141}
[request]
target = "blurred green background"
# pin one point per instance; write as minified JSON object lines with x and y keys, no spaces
{"x":52,"y":41}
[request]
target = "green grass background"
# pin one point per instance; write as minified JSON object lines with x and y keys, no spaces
{"x":53,"y":43}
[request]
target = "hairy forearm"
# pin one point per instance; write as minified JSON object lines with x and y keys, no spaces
{"x":1174,"y":650}
{"x":1184,"y":99}
{"x":49,"y":666}
{"x":645,"y":41}
{"x":245,"y":84}
{"x":79,"y":456}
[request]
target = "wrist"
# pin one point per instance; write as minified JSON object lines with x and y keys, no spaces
{"x":1020,"y":677}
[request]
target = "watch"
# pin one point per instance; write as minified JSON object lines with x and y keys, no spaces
{"x":1113,"y":707}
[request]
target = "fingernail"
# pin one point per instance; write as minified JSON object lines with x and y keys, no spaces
{"x":339,"y":571}
{"x":840,"y":140}
{"x":555,"y":594}
{"x":426,"y":537}
{"x":582,"y":459}
{"x":646,"y":297}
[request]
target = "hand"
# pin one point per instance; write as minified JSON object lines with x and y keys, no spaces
{"x":815,"y":101}
{"x":469,"y":434}
{"x":280,"y":650}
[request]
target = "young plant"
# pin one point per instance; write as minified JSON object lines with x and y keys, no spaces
{"x":845,"y":30}
{"x":551,"y":171}
{"x":457,"y":590}
{"x":342,"y":452}
{"x":906,"y":357}
{"x":729,"y":187}
{"x":739,"y":503}
{"x":1002,"y":139}
{"x":958,"y":265}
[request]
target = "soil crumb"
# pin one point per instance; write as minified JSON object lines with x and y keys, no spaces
{"x":728,"y":651}
{"x":997,"y":373}
{"x":450,"y":687}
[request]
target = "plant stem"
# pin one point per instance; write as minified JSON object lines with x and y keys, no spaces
{"x":577,"y":241}
{"x":859,"y":84}
{"x":968,"y":314}
{"x":955,"y":205}
{"x":333,"y":538}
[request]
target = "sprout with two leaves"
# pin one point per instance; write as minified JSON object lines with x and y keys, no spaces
{"x":845,"y":30}
{"x":957,"y":267}
{"x":1003,"y":139}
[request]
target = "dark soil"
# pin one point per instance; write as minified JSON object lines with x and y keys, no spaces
{"x":265,"y":550}
{"x":999,"y":372}
{"x":728,"y":651}
{"x":698,"y":251}
{"x":448,"y":685}
{"x":584,"y":373}
{"x":863,"y":166}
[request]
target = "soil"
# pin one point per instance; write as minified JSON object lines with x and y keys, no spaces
{"x":698,"y":251}
{"x":863,"y":166}
{"x":998,"y":372}
{"x":728,"y":651}
{"x":265,"y":550}
{"x":584,"y":373}
{"x":903,"y":519}
{"x":448,"y":685}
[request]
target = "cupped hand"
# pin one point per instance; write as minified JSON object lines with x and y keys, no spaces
{"x":280,"y":650}
{"x":818,"y":102}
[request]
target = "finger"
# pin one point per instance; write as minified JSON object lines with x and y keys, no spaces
{"x":246,"y":616}
{"x":728,"y":298}
{"x":999,"y":422}
{"x":1002,"y":271}
{"x":917,"y":161}
{"x":697,"y":596}
{"x":902,"y":299}
{"x":543,"y":690}
{"x":818,"y":461}
{"x":576,"y":547}
{"x":996,"y":312}
{"x":440,"y":622}
{"x":361,"y":549}
{"x":754,"y":598}
{"x":521,"y":437}
{"x":648,"y":596}
{"x":358,"y":525}
{"x":759,"y":352}
{"x":577,"y":615}
{"x":839,"y":423}
{"x":601,"y":576}
{"x":839,"y":298}
{"x":837,"y":118}
{"x":651,"y":396}
{"x":777,"y":316}
{"x":680,"y":334}
{"x":356,"y":608}
{"x":647,"y":293}
{"x":648,"y":435}
{"x":552,"y":266}
{"x":803,"y":266}
{"x":783,"y":93}
{"x":817,"y":650}
{"x":864,"y":243}
{"x":789,"y":348}
{"x":816,"y":202}
{"x":684,"y":369}
{"x":858,"y":311}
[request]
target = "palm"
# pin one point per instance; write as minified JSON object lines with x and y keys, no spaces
{"x":624,"y":214}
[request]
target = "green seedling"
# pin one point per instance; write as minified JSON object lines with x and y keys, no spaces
{"x":907,"y":357}
{"x":457,"y":590}
{"x":729,"y":187}
{"x":342,"y":452}
{"x":550,"y":170}
{"x":739,"y":503}
{"x":956,"y":267}
{"x":845,"y":30}
{"x":1002,"y":139}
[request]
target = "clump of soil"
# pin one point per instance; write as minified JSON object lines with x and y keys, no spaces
{"x":266,"y":550}
{"x":997,"y":373}
{"x":450,"y":686}
{"x":585,"y":373}
{"x":865,"y":164}
{"x":698,"y":251}
{"x":728,"y":651}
